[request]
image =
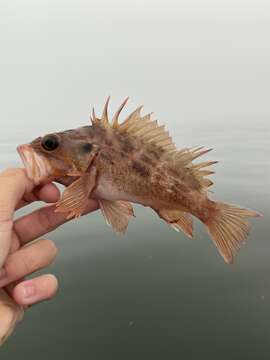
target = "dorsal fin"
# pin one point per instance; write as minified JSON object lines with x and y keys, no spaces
{"x":183,"y":159}
{"x":136,"y":125}
{"x":131,"y":118}
{"x":149,"y":132}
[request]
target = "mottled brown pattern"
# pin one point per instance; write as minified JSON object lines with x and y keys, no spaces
{"x":108,"y":142}
{"x":140,"y":168}
{"x":105,"y":157}
{"x":99,"y":131}
{"x":148,"y":160}
{"x":127,"y":146}
{"x":141,"y":171}
{"x":155,"y":152}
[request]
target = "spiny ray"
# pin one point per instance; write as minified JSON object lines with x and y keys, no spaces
{"x":131,"y":118}
{"x":116,"y":116}
{"x":104,"y":117}
{"x":93,"y":118}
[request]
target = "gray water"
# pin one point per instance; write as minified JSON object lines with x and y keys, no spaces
{"x":203,"y":68}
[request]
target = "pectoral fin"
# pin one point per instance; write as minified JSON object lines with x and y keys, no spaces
{"x":117,"y":214}
{"x":75,"y":196}
{"x":178,"y":220}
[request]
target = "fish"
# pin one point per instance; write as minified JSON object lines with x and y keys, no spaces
{"x":135,"y":161}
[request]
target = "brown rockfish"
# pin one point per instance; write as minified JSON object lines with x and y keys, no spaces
{"x":134,"y":161}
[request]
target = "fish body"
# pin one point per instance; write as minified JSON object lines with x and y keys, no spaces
{"x":131,"y":170}
{"x":134,"y":162}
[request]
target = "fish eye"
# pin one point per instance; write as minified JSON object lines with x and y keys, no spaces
{"x":50,"y":142}
{"x":87,"y":147}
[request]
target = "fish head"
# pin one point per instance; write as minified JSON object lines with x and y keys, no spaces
{"x":58,"y":155}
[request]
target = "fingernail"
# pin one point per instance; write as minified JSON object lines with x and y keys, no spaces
{"x":28,"y":290}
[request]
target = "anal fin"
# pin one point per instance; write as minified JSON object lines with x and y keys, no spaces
{"x":178,"y":220}
{"x":116,"y":213}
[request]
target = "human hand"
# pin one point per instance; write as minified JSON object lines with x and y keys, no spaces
{"x":19,"y":255}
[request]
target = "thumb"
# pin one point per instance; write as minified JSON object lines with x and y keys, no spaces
{"x":10,"y":314}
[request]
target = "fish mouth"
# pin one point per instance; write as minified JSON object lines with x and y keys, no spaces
{"x":37,"y":167}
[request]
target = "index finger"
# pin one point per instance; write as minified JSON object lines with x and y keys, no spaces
{"x":42,"y":221}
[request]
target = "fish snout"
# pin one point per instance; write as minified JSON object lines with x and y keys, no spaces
{"x":37,"y":167}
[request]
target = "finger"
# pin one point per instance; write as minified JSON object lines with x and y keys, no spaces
{"x":27,"y":260}
{"x":9,"y":287}
{"x":13,"y":184}
{"x":10,"y":314}
{"x":42,"y":221}
{"x":48,"y":193}
{"x":32,"y":291}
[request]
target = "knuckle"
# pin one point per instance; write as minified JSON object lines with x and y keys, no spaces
{"x":44,"y":220}
{"x":12,"y":173}
{"x":27,"y":262}
{"x":50,"y":247}
{"x":5,"y":213}
{"x":16,"y":266}
{"x":9,"y":266}
{"x":6,"y":224}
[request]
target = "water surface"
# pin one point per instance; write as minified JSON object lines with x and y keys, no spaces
{"x":203,"y":67}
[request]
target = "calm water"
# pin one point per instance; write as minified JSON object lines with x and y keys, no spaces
{"x":203,"y":67}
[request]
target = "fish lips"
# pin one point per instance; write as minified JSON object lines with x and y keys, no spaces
{"x":37,"y":167}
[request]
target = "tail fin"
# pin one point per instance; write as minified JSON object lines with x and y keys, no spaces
{"x":229,"y":229}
